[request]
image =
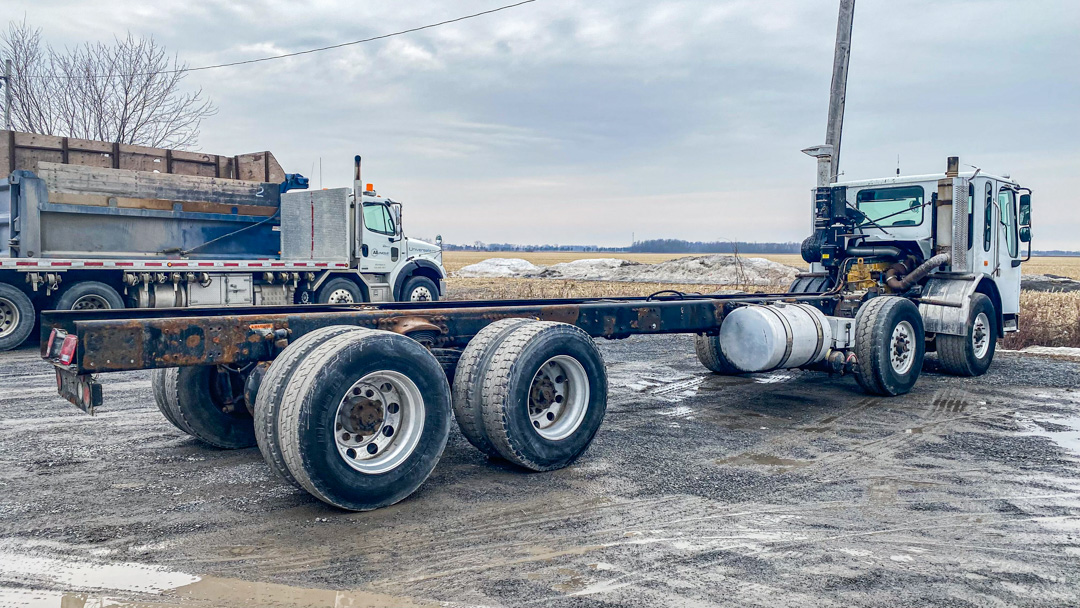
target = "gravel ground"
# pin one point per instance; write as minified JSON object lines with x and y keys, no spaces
{"x":780,"y":489}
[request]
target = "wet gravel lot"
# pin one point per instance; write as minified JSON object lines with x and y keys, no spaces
{"x":781,"y":489}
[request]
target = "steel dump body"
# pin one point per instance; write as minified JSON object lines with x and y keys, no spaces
{"x":110,"y":341}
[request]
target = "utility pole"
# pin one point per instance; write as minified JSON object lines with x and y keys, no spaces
{"x":7,"y":94}
{"x":828,"y":155}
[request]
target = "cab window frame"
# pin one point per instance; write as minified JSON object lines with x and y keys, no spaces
{"x":859,"y":201}
{"x":388,"y":227}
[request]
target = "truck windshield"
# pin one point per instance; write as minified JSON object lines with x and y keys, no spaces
{"x":887,"y":207}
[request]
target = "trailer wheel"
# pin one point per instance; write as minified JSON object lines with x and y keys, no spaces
{"x":159,"y":381}
{"x":544,"y":395}
{"x":419,"y":289}
{"x":268,"y":396}
{"x":712,"y":356}
{"x":17,"y":316}
{"x":469,"y":378}
{"x":889,"y":345}
{"x":364,"y":419}
{"x":207,"y":403}
{"x":89,"y":295}
{"x":339,"y":291}
{"x":971,"y":354}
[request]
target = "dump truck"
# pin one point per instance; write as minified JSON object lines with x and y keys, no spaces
{"x":354,"y":402}
{"x":90,"y":225}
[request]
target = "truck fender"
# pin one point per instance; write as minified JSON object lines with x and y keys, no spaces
{"x":946,"y":303}
{"x":410,"y":269}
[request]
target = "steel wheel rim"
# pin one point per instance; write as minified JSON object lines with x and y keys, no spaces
{"x":379,"y":421}
{"x":91,"y":301}
{"x":980,"y":335}
{"x":420,"y":294}
{"x":558,"y":397}
{"x":9,"y":317}
{"x":340,"y":296}
{"x":901,"y":350}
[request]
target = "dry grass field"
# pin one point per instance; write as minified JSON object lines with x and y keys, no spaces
{"x":1047,"y":319}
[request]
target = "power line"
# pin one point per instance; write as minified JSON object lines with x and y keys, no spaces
{"x":309,"y":51}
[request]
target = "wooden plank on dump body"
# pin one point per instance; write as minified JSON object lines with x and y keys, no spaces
{"x":74,"y":179}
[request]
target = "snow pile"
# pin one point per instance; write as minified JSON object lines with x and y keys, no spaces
{"x":702,"y":270}
{"x":498,"y":267}
{"x":1048,"y":282}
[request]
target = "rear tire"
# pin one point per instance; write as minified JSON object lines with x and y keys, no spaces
{"x":89,"y":295}
{"x":468,"y":382}
{"x":365,"y":419}
{"x":889,"y":345}
{"x":339,"y":291}
{"x":17,"y":316}
{"x":712,"y":356}
{"x":200,"y":409}
{"x":544,"y":395}
{"x":420,"y":289}
{"x":971,"y":354}
{"x":159,"y":381}
{"x":268,"y":397}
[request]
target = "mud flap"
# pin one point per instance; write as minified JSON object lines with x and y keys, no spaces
{"x":82,"y":391}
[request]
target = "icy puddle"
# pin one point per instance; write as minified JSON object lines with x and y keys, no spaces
{"x":1062,"y":430}
{"x":28,"y":581}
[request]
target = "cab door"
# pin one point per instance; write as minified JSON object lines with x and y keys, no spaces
{"x":379,"y":251}
{"x":1008,"y":246}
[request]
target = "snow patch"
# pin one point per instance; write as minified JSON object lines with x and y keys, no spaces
{"x":716,"y":269}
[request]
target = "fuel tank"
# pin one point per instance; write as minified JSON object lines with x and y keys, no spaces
{"x":760,"y":338}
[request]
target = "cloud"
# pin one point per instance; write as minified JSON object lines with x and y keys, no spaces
{"x":565,"y":121}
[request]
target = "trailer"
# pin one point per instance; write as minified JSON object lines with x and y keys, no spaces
{"x":353,"y":402}
{"x":91,"y":225}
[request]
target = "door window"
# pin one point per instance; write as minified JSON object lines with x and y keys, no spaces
{"x":377,"y":218}
{"x":988,"y":221}
{"x":1007,"y":202}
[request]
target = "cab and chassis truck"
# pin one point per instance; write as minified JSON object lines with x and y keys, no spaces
{"x":353,"y":403}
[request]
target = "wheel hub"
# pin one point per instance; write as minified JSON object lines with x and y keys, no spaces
{"x":341,"y":296}
{"x":9,"y":317}
{"x":901,"y":356}
{"x":420,"y":294}
{"x":379,"y":422}
{"x":980,"y":336}
{"x":558,"y":397}
{"x":91,"y":302}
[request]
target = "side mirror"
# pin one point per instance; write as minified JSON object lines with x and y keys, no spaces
{"x":1025,"y":218}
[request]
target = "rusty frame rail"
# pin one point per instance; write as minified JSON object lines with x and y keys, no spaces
{"x":123,"y":340}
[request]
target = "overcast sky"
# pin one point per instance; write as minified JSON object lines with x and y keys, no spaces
{"x":567,"y":121}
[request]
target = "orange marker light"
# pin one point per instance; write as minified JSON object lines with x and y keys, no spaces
{"x":371,"y":187}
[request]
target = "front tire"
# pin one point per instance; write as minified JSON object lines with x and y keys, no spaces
{"x":971,"y":354}
{"x":889,"y":345}
{"x":17,"y":316}
{"x":365,"y":419}
{"x":419,"y":289}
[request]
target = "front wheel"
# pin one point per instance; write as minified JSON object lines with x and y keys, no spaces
{"x":419,"y":289}
{"x":339,"y":291}
{"x":889,"y":345}
{"x":971,"y":354}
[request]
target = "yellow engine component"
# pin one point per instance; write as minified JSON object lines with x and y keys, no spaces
{"x":862,"y":276}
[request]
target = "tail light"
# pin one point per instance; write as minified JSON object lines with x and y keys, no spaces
{"x":67,"y":349}
{"x":52,"y":338}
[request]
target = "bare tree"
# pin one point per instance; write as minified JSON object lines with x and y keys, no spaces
{"x":128,"y":92}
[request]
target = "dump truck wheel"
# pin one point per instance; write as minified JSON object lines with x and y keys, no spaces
{"x":159,"y":381}
{"x":712,"y":356}
{"x":89,"y":295}
{"x":364,"y":419}
{"x":17,"y":316}
{"x":209,"y":406}
{"x":469,"y":378}
{"x":971,"y":354}
{"x":272,"y":387}
{"x":339,"y":291}
{"x":889,"y":345}
{"x":544,"y":395}
{"x":420,"y":289}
